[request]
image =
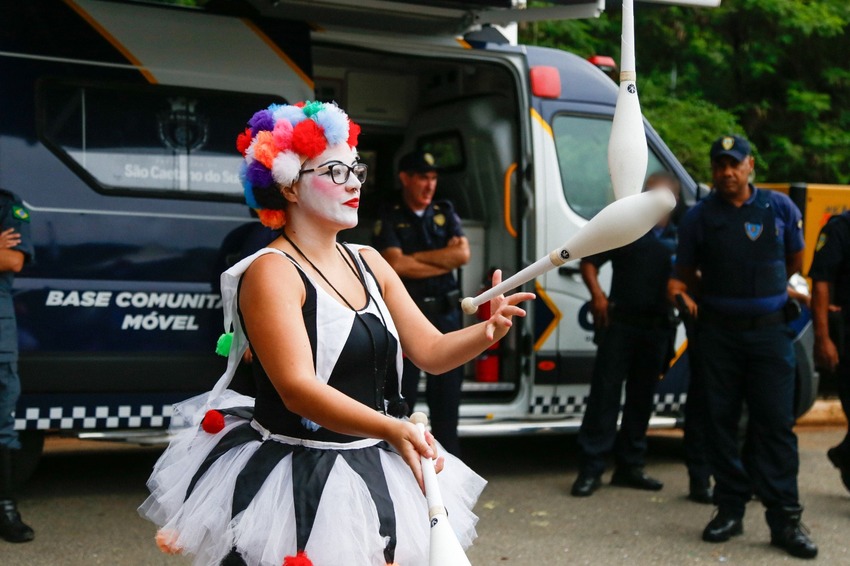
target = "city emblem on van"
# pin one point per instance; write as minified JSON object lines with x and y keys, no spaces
{"x":753,"y":230}
{"x":182,"y":128}
{"x":21,"y":213}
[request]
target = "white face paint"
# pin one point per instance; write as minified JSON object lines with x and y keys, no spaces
{"x":323,"y":199}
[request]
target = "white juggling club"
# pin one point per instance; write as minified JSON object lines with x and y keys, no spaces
{"x":620,"y":223}
{"x":445,"y":548}
{"x":627,"y":151}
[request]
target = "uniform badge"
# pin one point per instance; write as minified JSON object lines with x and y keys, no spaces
{"x":821,"y":242}
{"x":21,"y":213}
{"x":377,"y":228}
{"x":753,"y":230}
{"x":440,"y":219}
{"x":727,"y":143}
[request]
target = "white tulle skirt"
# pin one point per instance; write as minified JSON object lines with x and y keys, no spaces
{"x":346,"y":528}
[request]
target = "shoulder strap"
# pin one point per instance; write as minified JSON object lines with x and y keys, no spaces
{"x":230,"y":305}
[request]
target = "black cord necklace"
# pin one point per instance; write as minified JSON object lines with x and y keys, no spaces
{"x":379,"y":376}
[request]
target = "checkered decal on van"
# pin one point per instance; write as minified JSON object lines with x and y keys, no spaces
{"x":80,"y":417}
{"x":571,"y":405}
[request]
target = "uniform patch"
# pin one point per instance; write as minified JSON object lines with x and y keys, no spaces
{"x":21,"y":213}
{"x":821,"y":242}
{"x":727,"y":143}
{"x":753,"y":230}
{"x":440,"y":219}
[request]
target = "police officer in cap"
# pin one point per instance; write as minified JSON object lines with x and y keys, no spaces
{"x":15,"y":250}
{"x":634,"y":330}
{"x":423,"y":241}
{"x":830,"y":274}
{"x":737,"y":248}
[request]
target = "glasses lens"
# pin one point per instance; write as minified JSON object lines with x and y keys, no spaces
{"x":360,"y":172}
{"x":339,"y":173}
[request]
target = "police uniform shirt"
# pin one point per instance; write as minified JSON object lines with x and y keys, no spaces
{"x":641,"y":270}
{"x":400,"y":227}
{"x":745,"y":242}
{"x":13,"y":214}
{"x":831,"y":261}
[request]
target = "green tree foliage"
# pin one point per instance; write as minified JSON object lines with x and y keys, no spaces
{"x":774,"y":70}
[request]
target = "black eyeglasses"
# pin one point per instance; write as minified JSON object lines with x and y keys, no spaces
{"x":340,"y":172}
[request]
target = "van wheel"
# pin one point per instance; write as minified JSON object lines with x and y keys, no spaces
{"x":27,"y":458}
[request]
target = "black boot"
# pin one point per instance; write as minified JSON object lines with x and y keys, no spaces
{"x":11,"y":527}
{"x":788,"y":533}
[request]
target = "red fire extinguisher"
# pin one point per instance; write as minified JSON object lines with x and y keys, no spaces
{"x":487,"y":363}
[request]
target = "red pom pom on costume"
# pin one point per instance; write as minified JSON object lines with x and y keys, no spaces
{"x":301,"y":104}
{"x":213,"y":422}
{"x":274,"y":219}
{"x":243,"y":140}
{"x":353,"y":132}
{"x":299,"y":559}
{"x":166,"y":540}
{"x":308,"y":139}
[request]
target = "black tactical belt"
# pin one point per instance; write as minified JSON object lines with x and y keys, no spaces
{"x":737,"y":322}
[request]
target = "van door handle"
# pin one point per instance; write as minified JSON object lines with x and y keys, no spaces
{"x":568,"y":271}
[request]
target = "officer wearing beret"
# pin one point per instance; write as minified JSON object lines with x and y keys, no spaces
{"x":737,"y":248}
{"x":634,"y":327}
{"x":422,"y":240}
{"x":830,"y":274}
{"x":15,"y":250}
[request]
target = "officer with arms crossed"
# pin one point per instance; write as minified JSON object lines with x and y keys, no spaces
{"x":423,"y":241}
{"x":635,"y":329}
{"x":831,"y":272}
{"x":745,"y":243}
{"x":15,"y":250}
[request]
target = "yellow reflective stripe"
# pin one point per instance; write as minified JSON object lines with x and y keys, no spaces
{"x":112,"y":40}
{"x":541,"y":294}
{"x":542,"y":122}
{"x":279,"y":52}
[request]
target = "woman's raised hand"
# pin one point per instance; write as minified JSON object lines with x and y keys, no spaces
{"x":503,"y":309}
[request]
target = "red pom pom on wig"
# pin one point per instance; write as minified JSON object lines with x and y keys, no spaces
{"x":353,"y":132}
{"x":308,"y":139}
{"x":299,"y":559}
{"x":213,"y":422}
{"x":274,"y":219}
{"x":243,"y":140}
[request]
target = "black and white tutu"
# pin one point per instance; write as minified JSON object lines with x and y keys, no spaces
{"x":246,"y":495}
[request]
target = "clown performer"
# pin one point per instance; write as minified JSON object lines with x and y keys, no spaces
{"x":318,"y":469}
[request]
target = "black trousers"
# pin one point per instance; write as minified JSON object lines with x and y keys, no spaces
{"x":756,"y":367}
{"x":636,"y":355}
{"x":443,"y":391}
{"x":843,"y":379}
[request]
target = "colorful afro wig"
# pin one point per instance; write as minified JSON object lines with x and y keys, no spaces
{"x":277,"y":141}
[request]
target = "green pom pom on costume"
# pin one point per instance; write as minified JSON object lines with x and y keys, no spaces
{"x":222,"y":347}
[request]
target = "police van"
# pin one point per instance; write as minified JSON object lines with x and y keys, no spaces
{"x":118,"y":129}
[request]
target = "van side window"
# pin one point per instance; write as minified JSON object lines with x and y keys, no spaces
{"x":582,"y":146}
{"x":148,"y":140}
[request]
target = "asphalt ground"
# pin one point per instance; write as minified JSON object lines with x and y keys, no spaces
{"x":82,"y":503}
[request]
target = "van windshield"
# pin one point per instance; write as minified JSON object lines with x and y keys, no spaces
{"x":582,"y":146}
{"x":148,"y":140}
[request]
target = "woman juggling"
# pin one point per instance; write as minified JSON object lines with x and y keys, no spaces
{"x":321,"y":467}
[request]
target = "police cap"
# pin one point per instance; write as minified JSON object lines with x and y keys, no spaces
{"x":735,"y":147}
{"x":417,"y":162}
